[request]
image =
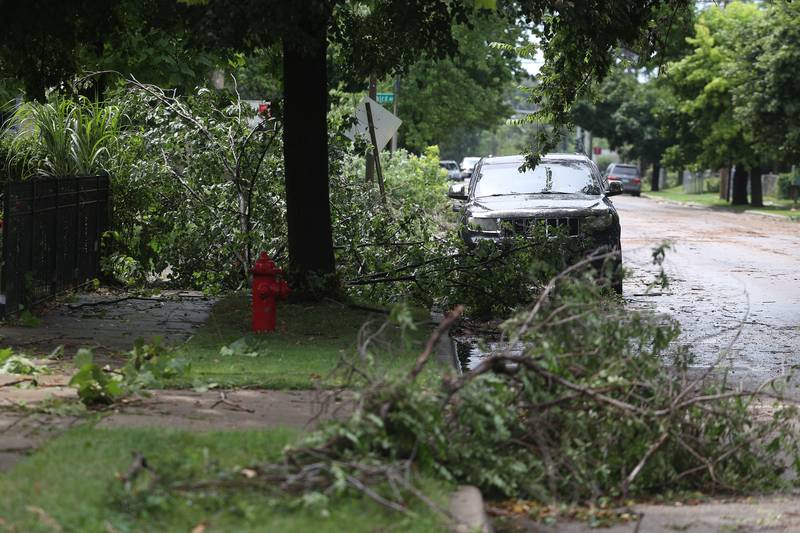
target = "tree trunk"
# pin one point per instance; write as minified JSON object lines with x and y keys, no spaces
{"x":756,"y":194}
{"x":724,"y":180}
{"x":305,"y":151}
{"x":654,"y":180}
{"x":739,"y":186}
{"x":680,"y":175}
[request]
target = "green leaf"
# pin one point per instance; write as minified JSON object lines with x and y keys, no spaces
{"x":5,"y":353}
{"x":83,"y":358}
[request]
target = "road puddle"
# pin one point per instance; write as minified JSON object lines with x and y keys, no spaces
{"x":468,"y":351}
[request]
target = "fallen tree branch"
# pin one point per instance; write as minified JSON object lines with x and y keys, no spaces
{"x":115,"y":301}
{"x":440,"y":330}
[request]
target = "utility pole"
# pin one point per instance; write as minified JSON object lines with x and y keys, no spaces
{"x":373,"y":93}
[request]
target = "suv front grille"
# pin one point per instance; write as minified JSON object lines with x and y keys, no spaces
{"x":570,"y":226}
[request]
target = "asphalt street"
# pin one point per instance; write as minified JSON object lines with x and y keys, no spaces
{"x":734,"y":282}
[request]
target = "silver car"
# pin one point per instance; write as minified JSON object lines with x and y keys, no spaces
{"x":453,"y":172}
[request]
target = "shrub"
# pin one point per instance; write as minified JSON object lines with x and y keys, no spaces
{"x":181,"y":206}
{"x":785,"y":182}
{"x":382,"y":246}
{"x":198,"y":188}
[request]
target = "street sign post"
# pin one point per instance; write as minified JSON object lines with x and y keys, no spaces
{"x":376,"y":125}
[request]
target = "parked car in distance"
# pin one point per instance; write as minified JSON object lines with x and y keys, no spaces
{"x":565,"y":191}
{"x":453,"y":172}
{"x":627,"y":175}
{"x":468,"y":165}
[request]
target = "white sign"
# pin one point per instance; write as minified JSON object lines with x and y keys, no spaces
{"x":384,"y":122}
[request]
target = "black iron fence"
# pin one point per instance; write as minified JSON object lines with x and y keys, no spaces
{"x":51,"y":237}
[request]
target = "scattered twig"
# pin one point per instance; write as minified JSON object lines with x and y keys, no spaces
{"x":638,"y":468}
{"x":440,"y":330}
{"x":138,"y":466}
{"x":17,"y":382}
{"x":223,"y":400}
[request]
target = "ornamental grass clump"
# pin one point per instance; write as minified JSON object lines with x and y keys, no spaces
{"x":62,"y":137}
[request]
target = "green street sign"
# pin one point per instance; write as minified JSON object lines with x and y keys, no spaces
{"x":385,"y":98}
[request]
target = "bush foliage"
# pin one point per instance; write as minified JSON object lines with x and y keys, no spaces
{"x":580,"y":408}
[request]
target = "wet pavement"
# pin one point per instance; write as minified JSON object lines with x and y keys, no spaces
{"x":734,"y":282}
{"x":734,"y":285}
{"x":110,"y":323}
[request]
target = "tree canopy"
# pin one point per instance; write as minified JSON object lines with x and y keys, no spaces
{"x":579,"y":41}
{"x":765,"y":97}
{"x":448,"y":101}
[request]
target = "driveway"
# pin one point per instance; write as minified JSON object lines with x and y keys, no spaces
{"x":735,"y":281}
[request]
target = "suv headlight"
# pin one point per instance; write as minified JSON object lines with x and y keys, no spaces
{"x":483,"y":225}
{"x":598,"y":222}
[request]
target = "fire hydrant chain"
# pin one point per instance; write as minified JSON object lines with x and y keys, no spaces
{"x":267,"y":289}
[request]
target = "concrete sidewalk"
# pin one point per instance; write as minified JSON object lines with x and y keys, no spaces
{"x":110,"y":322}
{"x":765,"y":513}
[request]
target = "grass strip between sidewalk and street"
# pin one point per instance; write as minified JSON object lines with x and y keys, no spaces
{"x":309,"y":342}
{"x":712,"y":200}
{"x":74,"y":483}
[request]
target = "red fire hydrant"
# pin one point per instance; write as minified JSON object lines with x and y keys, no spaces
{"x":266,"y":289}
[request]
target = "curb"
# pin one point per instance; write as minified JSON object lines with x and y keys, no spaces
{"x":467,"y":509}
{"x":695,"y":205}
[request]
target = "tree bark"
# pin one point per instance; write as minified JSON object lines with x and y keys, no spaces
{"x":680,"y":175}
{"x":724,"y":180}
{"x":654,"y":185}
{"x":305,"y":150}
{"x":756,"y":194}
{"x":739,"y":186}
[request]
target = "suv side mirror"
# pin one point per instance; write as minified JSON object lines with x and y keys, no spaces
{"x":457,"y":191}
{"x":614,"y":188}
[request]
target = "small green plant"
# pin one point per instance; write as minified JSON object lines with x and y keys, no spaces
{"x":148,"y":365}
{"x":242,"y":347}
{"x":95,"y":386}
{"x":11,"y":363}
{"x":28,"y":319}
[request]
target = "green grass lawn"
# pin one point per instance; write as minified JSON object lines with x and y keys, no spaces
{"x":712,"y":199}
{"x":71,"y":484}
{"x":309,"y":342}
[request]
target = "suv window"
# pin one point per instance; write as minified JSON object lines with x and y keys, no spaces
{"x":624,"y":170}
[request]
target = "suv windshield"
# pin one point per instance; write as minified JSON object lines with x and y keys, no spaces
{"x":549,"y":177}
{"x":625,"y":171}
{"x":449,"y":165}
